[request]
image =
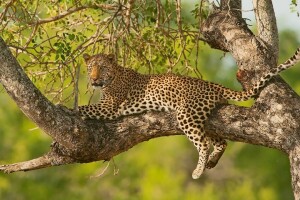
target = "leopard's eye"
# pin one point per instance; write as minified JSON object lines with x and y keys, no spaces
{"x":104,"y":69}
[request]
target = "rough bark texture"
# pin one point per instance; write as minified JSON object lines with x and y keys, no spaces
{"x":273,"y":121}
{"x":295,"y":172}
{"x":233,"y":6}
{"x":266,"y":24}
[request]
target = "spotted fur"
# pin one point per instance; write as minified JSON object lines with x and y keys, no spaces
{"x":127,"y":92}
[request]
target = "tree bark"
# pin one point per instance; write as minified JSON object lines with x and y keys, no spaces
{"x":273,"y":121}
{"x":295,"y":172}
{"x":266,"y":24}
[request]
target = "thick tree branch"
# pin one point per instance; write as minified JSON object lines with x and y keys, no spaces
{"x":295,"y":172}
{"x":26,"y":95}
{"x":266,"y":25}
{"x":233,"y":6}
{"x":274,"y":119}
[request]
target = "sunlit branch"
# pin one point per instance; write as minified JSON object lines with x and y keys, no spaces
{"x":73,"y":10}
{"x":33,"y":164}
{"x":129,"y":6}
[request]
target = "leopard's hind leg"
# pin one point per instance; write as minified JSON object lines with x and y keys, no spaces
{"x":194,"y":130}
{"x":219,"y":146}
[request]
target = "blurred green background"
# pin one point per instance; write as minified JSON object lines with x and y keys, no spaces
{"x":157,"y":169}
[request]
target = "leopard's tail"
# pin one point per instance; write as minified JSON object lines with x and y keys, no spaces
{"x":255,"y":90}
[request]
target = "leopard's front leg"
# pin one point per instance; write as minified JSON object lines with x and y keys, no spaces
{"x":105,"y":110}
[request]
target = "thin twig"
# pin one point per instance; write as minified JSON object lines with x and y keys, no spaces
{"x":73,"y":10}
{"x":76,"y":82}
{"x":102,"y":172}
{"x":116,"y":169}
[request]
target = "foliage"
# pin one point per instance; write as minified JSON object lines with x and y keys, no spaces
{"x":48,"y":38}
{"x":293,"y":6}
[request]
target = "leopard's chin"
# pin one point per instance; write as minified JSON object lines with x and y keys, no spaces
{"x":101,"y":84}
{"x":97,"y":85}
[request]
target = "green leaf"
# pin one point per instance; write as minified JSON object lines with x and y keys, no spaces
{"x":71,"y":36}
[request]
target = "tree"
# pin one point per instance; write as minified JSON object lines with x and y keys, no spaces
{"x":139,"y":31}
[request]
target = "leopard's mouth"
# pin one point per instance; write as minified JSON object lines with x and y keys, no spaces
{"x":95,"y":84}
{"x":102,"y":84}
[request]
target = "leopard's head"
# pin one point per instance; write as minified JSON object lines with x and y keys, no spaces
{"x":100,"y":69}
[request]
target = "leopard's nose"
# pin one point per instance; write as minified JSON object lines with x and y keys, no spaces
{"x":94,"y":75}
{"x":94,"y":79}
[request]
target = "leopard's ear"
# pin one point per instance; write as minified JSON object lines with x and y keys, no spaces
{"x":86,"y":57}
{"x":111,"y":57}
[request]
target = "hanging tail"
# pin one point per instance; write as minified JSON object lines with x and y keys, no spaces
{"x":255,"y":90}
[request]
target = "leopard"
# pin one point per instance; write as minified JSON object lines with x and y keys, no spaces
{"x":127,"y":92}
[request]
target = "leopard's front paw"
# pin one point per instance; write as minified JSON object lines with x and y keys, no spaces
{"x":66,"y":109}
